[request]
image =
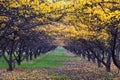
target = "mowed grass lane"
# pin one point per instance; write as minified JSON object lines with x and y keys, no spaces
{"x":55,"y":58}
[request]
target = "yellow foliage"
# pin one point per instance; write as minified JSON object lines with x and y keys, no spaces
{"x":83,"y":17}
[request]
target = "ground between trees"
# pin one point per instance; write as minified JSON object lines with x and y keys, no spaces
{"x":74,"y":68}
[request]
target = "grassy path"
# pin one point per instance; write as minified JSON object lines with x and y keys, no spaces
{"x":54,"y":58}
{"x":59,"y":65}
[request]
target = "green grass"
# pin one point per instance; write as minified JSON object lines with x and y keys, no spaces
{"x":3,"y":63}
{"x":52,"y":59}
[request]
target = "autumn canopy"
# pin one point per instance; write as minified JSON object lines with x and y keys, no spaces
{"x":87,"y":27}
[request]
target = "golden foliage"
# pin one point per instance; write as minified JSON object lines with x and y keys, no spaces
{"x":83,"y":17}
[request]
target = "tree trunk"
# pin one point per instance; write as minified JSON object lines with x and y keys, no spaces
{"x":108,"y":64}
{"x":115,"y":61}
{"x":10,"y":67}
{"x":31,"y":55}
